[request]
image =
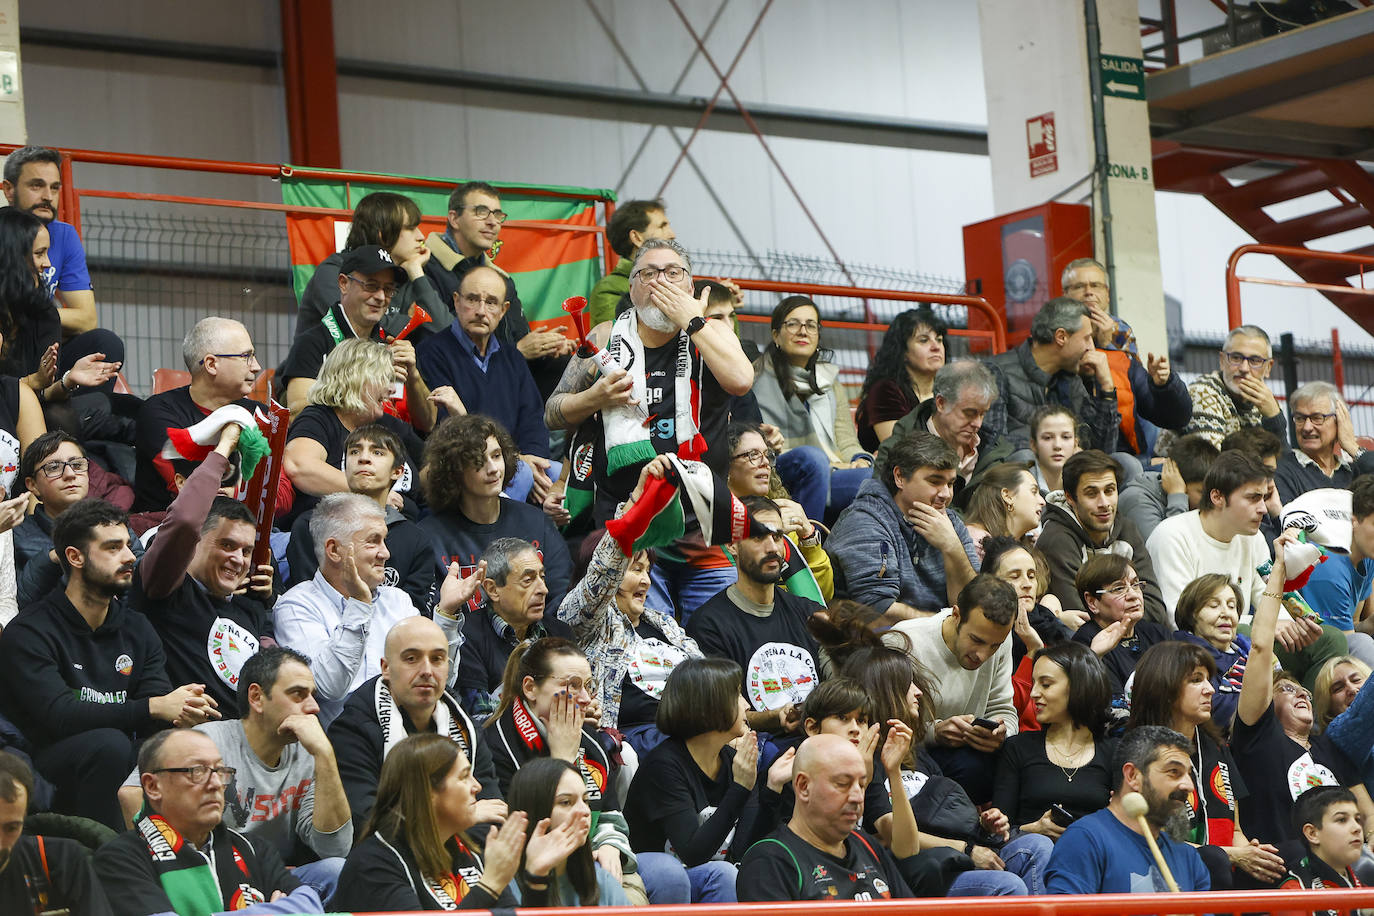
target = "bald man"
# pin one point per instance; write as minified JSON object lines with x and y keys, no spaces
{"x":408,"y":697}
{"x":490,"y":377}
{"x":821,"y":854}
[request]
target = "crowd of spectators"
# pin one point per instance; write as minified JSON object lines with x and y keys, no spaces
{"x":655,"y":617}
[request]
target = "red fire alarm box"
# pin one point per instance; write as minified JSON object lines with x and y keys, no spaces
{"x":1015,"y":261}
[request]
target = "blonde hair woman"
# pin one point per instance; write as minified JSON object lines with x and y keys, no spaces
{"x":351,"y":391}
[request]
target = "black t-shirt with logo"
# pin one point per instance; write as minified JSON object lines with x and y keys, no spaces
{"x":778,"y":654}
{"x":661,"y":405}
{"x":323,"y":425}
{"x":786,"y":867}
{"x":1277,"y":769}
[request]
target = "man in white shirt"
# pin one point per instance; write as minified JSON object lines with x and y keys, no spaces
{"x":966,"y":654}
{"x":340,"y":618}
{"x":1223,"y":535}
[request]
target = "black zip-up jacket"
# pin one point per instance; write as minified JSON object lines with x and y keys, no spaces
{"x":59,"y":678}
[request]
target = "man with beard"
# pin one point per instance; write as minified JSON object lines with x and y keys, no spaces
{"x":181,"y":858}
{"x":490,"y":377}
{"x":1082,"y":520}
{"x":1105,"y":852}
{"x":187,"y":583}
{"x":340,"y":618}
{"x":901,"y":548}
{"x":33,"y":182}
{"x":761,"y":627}
{"x":39,"y":873}
{"x":670,"y":380}
{"x":407,"y":698}
{"x":83,"y":677}
{"x":1236,"y":395}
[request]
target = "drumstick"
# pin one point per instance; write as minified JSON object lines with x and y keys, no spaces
{"x":1137,"y":807}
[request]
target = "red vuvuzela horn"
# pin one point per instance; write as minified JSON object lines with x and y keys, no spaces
{"x":576,"y":307}
{"x":418,"y":317}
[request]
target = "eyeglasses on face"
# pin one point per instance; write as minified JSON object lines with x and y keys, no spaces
{"x":482,"y":211}
{"x":757,"y":457}
{"x":1293,"y":690}
{"x":248,"y":356}
{"x":673,"y":273}
{"x":1235,"y":359}
{"x":575,"y":684}
{"x":200,"y":773}
{"x":475,"y":301}
{"x":56,"y":468}
{"x":1096,"y":287}
{"x":1316,"y":419}
{"x":793,"y":325}
{"x":372,"y":287}
{"x":1121,"y":588}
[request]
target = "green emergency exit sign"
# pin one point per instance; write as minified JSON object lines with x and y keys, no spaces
{"x":1122,"y":77}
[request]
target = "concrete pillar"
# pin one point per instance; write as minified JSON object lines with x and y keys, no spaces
{"x":1045,"y":144}
{"x":12,"y":128}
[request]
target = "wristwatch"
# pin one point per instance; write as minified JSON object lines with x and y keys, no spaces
{"x":696,"y":324}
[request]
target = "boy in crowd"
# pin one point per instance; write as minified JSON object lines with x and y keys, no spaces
{"x":1332,"y":840}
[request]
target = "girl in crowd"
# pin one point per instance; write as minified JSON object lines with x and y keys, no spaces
{"x":552,"y":790}
{"x":353,"y":386}
{"x":632,"y":649}
{"x":547,"y":696}
{"x":822,"y":463}
{"x":697,"y":793}
{"x":1006,"y":502}
{"x":1208,"y":615}
{"x":1114,"y":630}
{"x":419,"y":850}
{"x":1054,"y":440}
{"x":1275,"y":749}
{"x":391,"y":221}
{"x":1048,"y":778}
{"x":901,"y":375}
{"x":1036,"y":625}
{"x":1173,"y":688}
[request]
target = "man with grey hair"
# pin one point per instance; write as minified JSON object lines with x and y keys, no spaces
{"x":224,"y":366}
{"x":963,"y":393}
{"x":1148,"y":398}
{"x":1048,"y":368}
{"x":340,"y":618}
{"x":33,"y":182}
{"x":515,"y":609}
{"x":1327,"y":454}
{"x":1236,"y":396}
{"x":668,"y":384}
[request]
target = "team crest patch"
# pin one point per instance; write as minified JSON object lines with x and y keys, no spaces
{"x":779,"y":673}
{"x":1305,"y":773}
{"x":124,"y":665}
{"x":229,"y":646}
{"x":245,"y":896}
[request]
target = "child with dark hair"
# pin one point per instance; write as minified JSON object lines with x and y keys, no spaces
{"x":1332,"y":842}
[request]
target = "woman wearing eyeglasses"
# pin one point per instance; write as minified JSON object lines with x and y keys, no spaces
{"x":1276,"y":751}
{"x":550,"y":708}
{"x":1112,"y":593}
{"x":822,"y":463}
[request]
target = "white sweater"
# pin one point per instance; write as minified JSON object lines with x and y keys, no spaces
{"x":1182,"y":551}
{"x":985,"y":691}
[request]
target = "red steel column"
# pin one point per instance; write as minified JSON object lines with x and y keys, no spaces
{"x":311,"y":85}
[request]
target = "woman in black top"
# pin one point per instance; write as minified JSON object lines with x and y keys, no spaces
{"x":1173,"y":688}
{"x":695,"y":795}
{"x":418,"y":851}
{"x":351,"y":391}
{"x":1066,"y":764}
{"x":902,"y":374}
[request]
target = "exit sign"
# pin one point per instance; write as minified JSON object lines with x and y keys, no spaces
{"x":1122,"y":77}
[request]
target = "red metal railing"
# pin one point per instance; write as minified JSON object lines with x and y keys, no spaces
{"x":1234,"y":280}
{"x":1295,"y":902}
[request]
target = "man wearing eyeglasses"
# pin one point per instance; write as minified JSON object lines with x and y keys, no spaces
{"x":1236,"y":396}
{"x":1327,"y":454}
{"x":368,"y":279}
{"x":472,"y":239}
{"x":180,"y":858}
{"x":490,"y":377}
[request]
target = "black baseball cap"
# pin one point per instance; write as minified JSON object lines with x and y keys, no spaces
{"x":369,"y":260}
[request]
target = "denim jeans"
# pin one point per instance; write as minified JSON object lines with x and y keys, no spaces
{"x":323,"y":875}
{"x":815,"y":485}
{"x":665,"y":880}
{"x":1025,"y":857}
{"x":523,"y":481}
{"x":643,"y":738}
{"x":679,"y":589}
{"x":713,"y":882}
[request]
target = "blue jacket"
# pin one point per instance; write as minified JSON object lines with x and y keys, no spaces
{"x":505,"y":391}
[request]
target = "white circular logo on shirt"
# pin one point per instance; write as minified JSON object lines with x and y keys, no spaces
{"x":229,"y":646}
{"x":1305,"y":773}
{"x":779,"y":673}
{"x":913,"y":782}
{"x":9,"y":460}
{"x":651,"y":661}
